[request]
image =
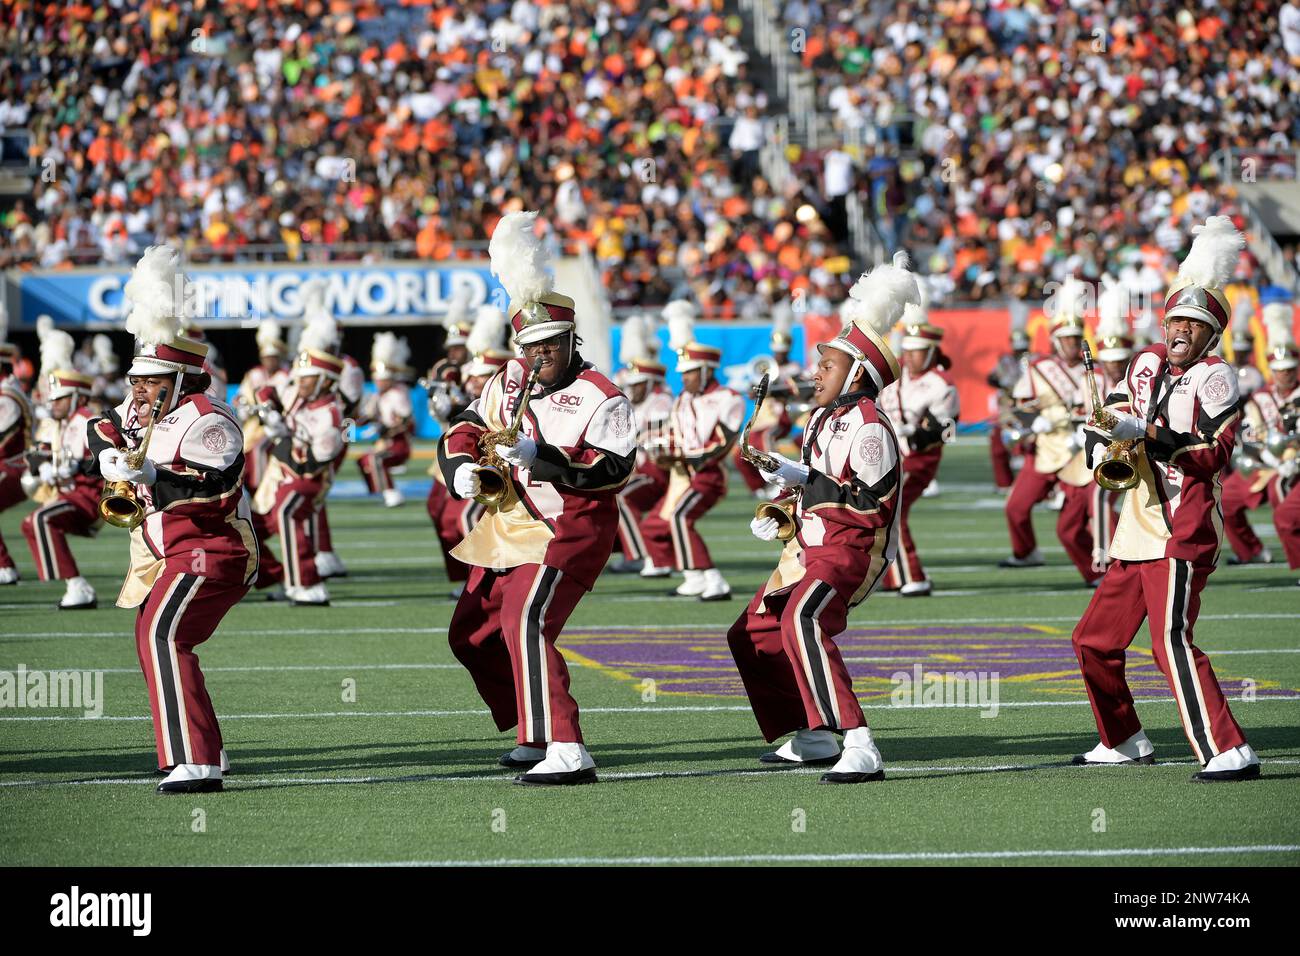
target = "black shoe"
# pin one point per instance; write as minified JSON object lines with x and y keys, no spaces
{"x":724,"y":596}
{"x":78,"y":607}
{"x":626,"y":567}
{"x":774,"y":757}
{"x":190,"y":786}
{"x":1250,"y":772}
{"x":568,"y":778}
{"x":505,"y":760}
{"x":834,"y":777}
{"x":1080,"y":760}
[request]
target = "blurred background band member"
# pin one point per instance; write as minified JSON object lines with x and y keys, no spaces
{"x":846,"y":510}
{"x":774,"y":421}
{"x":923,"y":406}
{"x":270,"y":371}
{"x":1009,"y":370}
{"x":1276,"y":417}
{"x":1115,"y":343}
{"x":706,"y":419}
{"x":66,"y":471}
{"x":536,"y":553}
{"x":194,"y":555}
{"x":390,"y":409}
{"x":1179,"y":406}
{"x":16,"y":417}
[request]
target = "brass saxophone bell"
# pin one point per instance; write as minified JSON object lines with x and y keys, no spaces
{"x":493,"y":485}
{"x":1117,"y":472}
{"x":782,"y":514}
{"x":120,"y":507}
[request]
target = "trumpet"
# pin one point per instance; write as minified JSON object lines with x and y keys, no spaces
{"x":494,"y":473}
{"x":1118,"y":470}
{"x":119,"y":506}
{"x":783,"y":513}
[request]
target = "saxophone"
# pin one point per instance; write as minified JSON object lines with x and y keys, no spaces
{"x":494,"y":472}
{"x":119,"y":506}
{"x":783,"y":513}
{"x":1118,"y":470}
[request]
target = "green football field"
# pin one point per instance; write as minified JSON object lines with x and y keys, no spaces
{"x":356,"y":738}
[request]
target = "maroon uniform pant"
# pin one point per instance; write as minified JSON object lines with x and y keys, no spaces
{"x":47,"y":528}
{"x":11,"y":493}
{"x":793,"y":672}
{"x":291,"y":518}
{"x":1029,"y":489}
{"x":376,"y":466}
{"x":673,"y":541}
{"x":504,"y":630}
{"x":918,"y":471}
{"x":1166,"y":594}
{"x":643,"y":492}
{"x":181,"y":612}
{"x":1237,"y":500}
{"x":452,"y":520}
{"x":1074,"y":528}
{"x":1286,"y":518}
{"x":1001,"y":456}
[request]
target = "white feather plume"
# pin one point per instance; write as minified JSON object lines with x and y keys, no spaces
{"x":389,"y":350}
{"x":782,"y":321}
{"x":320,"y":334}
{"x":1212,"y":260}
{"x":56,"y":351}
{"x":680,"y":316}
{"x":879,"y":297}
{"x":313,"y":298}
{"x":458,"y":307}
{"x":44,"y":326}
{"x":156,"y":291}
{"x":268,"y":334}
{"x":1112,"y":308}
{"x":918,"y":313}
{"x":1070,"y":300}
{"x":632,"y":345}
{"x":519,"y":258}
{"x":1278,"y":318}
{"x":489,"y":330}
{"x":1242,"y":313}
{"x":102,"y":346}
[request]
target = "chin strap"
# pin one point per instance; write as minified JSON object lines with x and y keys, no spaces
{"x":849,"y":379}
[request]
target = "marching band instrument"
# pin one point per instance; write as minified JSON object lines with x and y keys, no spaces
{"x":1117,"y":471}
{"x":119,"y":506}
{"x":782,"y":514}
{"x":494,"y":472}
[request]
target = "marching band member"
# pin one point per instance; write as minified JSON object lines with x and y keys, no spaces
{"x":307,"y":445}
{"x":1011,"y":367}
{"x":73,"y":507}
{"x":456,"y":349}
{"x":774,"y":422}
{"x":1179,"y":404}
{"x":1114,"y":352}
{"x":1275,"y":413}
{"x":706,"y":418}
{"x":110,"y":387}
{"x":652,"y":405}
{"x":390,"y":408}
{"x":194,"y":554}
{"x":15,"y":426}
{"x":270,"y":371}
{"x":1054,"y":387}
{"x":846,"y":513}
{"x":922,"y":405}
{"x":1249,"y":378}
{"x":452,"y":517}
{"x":540,"y":549}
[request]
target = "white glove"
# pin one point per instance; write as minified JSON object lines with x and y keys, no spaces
{"x":146,"y":474}
{"x":905,"y":430}
{"x":788,"y":472}
{"x":465,"y":482}
{"x":1078,"y":440}
{"x":1041,"y":426}
{"x":67,"y":469}
{"x":111,"y":465}
{"x":29,"y":483}
{"x":45,"y":472}
{"x":764,"y":528}
{"x":273,"y":424}
{"x":521,"y":454}
{"x":1127,"y":427}
{"x":1289,"y":468}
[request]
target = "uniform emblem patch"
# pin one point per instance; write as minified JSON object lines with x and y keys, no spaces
{"x":872,"y":450}
{"x":215,"y":439}
{"x":1216,"y":389}
{"x":620,"y":421}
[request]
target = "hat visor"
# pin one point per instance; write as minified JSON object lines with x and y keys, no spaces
{"x":152,"y":366}
{"x":913,"y":344}
{"x":1196,"y":314}
{"x":690,"y":365}
{"x":1067,"y":331}
{"x":1115,"y":355}
{"x":542,"y":331}
{"x":452,"y":340}
{"x":1281,"y":365}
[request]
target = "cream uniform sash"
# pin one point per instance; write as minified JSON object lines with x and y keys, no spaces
{"x":506,"y":536}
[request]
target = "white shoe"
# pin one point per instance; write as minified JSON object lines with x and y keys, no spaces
{"x":8,"y":575}
{"x":328,"y":565}
{"x":1264,"y":556}
{"x":565,"y":764}
{"x":192,"y":778}
{"x":1137,"y":749}
{"x":393,"y":498}
{"x":806,"y":746}
{"x":79,"y":595}
{"x":651,"y":571}
{"x":316,"y":595}
{"x":1034,"y":559}
{"x":931,"y":490}
{"x":860,"y":762}
{"x":693,"y":586}
{"x":916,"y":588}
{"x":715,"y":587}
{"x":1239,"y":763}
{"x":1056,"y":502}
